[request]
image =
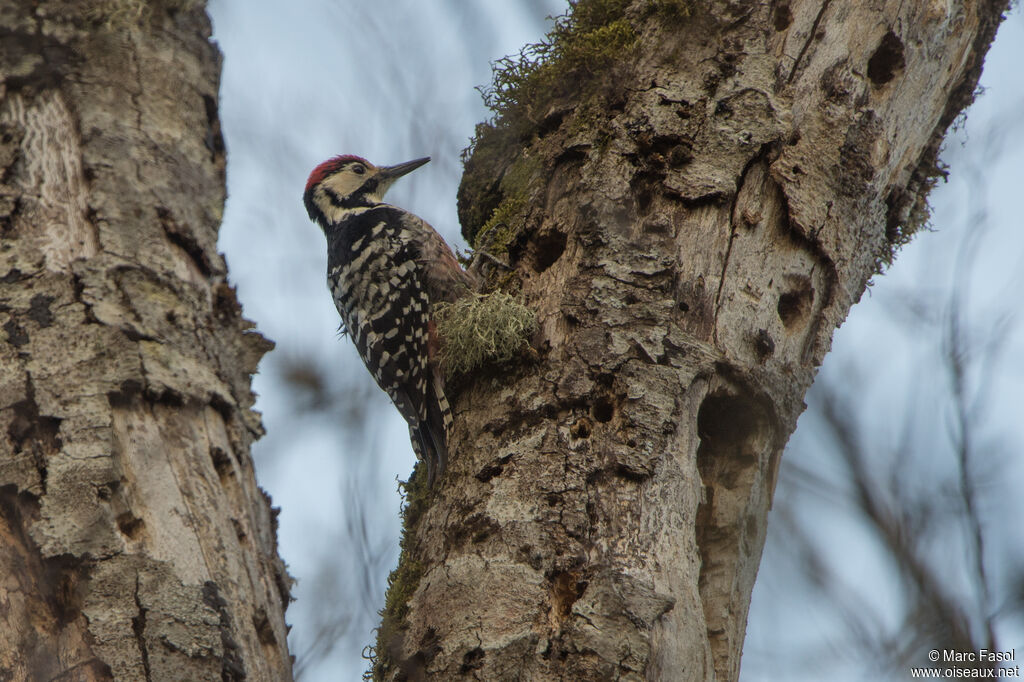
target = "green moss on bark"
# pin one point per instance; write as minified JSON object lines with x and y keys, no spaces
{"x":530,"y":95}
{"x":570,"y":80}
{"x":584,"y":40}
{"x":402,"y":582}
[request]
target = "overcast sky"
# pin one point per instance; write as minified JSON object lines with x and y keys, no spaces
{"x":394,"y":80}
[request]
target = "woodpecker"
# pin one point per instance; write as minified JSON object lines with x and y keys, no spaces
{"x":386,"y":270}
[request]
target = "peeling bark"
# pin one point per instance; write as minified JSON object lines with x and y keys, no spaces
{"x":134,"y":541}
{"x":692,"y":235}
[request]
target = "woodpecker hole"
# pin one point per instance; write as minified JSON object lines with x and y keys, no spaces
{"x":472,"y":660}
{"x":887,"y":60}
{"x":492,"y":469}
{"x":221,"y":463}
{"x":39,"y":310}
{"x":735,"y":438}
{"x":783,"y":17}
{"x":566,"y":589}
{"x":646,"y":185}
{"x":59,"y":578}
{"x":65,"y":578}
{"x":795,"y":305}
{"x":130,"y":525}
{"x":264,"y":630}
{"x":581,"y":428}
{"x":731,"y":430}
{"x":122,"y":398}
{"x":673,"y":150}
{"x":225,"y":302}
{"x":602,"y":410}
{"x":546,"y":248}
{"x":764,"y":345}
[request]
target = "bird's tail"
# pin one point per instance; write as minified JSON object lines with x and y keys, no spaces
{"x":423,"y":447}
{"x":430,"y":436}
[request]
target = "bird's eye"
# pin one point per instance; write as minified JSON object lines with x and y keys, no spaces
{"x":358,"y":170}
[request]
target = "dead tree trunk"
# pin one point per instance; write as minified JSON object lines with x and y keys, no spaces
{"x":692,"y":196}
{"x":134,"y":542}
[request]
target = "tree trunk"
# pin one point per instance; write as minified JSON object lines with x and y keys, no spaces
{"x":691,"y":220}
{"x":134,"y":542}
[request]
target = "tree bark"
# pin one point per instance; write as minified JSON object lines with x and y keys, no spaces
{"x":690,"y":223}
{"x":134,"y":541}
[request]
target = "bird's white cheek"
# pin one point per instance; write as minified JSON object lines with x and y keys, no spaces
{"x":323,"y":202}
{"x":335,"y":213}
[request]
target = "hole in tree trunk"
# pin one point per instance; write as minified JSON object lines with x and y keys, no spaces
{"x":546,"y":249}
{"x":887,"y":60}
{"x":735,"y":437}
{"x":602,"y":410}
{"x":795,"y":305}
{"x":783,"y":17}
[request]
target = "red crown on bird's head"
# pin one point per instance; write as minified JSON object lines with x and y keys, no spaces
{"x":331,"y":165}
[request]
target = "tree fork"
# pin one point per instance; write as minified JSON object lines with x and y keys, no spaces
{"x":691,"y":212}
{"x":134,"y":541}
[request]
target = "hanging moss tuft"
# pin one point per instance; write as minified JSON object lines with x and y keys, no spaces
{"x":482,"y":329}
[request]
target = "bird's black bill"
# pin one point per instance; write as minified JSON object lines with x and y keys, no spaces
{"x":401,"y":169}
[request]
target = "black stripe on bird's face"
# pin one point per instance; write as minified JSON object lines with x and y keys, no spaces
{"x":364,"y":197}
